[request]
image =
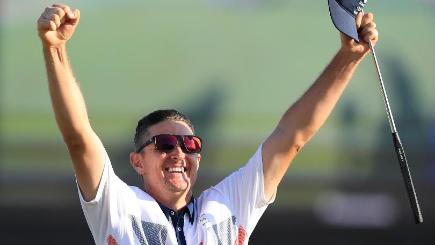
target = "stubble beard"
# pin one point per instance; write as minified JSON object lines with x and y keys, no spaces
{"x":177,"y":187}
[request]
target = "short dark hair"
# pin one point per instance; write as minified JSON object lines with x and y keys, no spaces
{"x":154,"y":118}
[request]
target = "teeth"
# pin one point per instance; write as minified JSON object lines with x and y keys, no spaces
{"x":176,"y":170}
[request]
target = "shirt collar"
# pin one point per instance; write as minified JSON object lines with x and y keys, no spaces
{"x":189,"y":209}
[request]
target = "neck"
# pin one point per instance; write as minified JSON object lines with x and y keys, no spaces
{"x":174,"y":201}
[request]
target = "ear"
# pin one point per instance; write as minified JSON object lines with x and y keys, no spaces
{"x":199,"y":159}
{"x":136,"y":163}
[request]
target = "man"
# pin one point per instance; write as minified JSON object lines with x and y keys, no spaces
{"x":167,"y":154}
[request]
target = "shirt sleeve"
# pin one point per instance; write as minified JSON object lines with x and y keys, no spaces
{"x":244,"y":191}
{"x":102,"y":212}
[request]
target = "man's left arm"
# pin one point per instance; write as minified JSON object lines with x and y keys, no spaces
{"x":304,"y":118}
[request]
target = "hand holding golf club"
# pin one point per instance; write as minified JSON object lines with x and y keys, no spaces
{"x":367,"y":33}
{"x":57,"y":24}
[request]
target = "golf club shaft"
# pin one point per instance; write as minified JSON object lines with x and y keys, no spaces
{"x":406,"y":174}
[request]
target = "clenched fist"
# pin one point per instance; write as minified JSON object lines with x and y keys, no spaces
{"x":57,"y":24}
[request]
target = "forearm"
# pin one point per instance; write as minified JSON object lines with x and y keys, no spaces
{"x":66,"y":97}
{"x":303,"y":119}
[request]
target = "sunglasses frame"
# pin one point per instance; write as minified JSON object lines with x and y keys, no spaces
{"x":180,"y":138}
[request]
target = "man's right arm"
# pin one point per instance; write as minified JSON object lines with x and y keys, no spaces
{"x":55,"y":27}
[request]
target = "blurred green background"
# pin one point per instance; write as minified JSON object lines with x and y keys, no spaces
{"x":234,"y":66}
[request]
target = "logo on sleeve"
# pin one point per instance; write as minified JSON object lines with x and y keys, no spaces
{"x":111,"y":240}
{"x":242,"y":235}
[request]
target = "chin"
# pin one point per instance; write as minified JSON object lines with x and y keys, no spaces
{"x":183,"y":187}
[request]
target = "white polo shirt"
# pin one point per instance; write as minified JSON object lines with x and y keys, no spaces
{"x":224,"y":214}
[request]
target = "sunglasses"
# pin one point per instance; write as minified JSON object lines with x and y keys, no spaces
{"x":167,"y":143}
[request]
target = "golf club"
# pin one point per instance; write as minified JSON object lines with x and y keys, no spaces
{"x":404,"y":168}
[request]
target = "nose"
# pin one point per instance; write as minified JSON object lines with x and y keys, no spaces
{"x":177,"y":153}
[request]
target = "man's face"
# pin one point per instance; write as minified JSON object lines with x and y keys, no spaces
{"x":172,"y":173}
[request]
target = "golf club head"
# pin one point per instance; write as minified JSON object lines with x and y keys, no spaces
{"x":343,"y":13}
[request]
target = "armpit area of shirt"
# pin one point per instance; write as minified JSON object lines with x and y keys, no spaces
{"x":101,"y":185}
{"x":263,"y":201}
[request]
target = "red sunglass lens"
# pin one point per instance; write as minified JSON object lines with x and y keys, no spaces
{"x":166,"y":143}
{"x":192,"y":143}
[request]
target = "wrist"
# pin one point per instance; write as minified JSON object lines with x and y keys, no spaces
{"x":53,"y":47}
{"x":351,"y":55}
{"x":55,"y":53}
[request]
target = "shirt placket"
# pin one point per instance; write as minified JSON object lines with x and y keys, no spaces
{"x":177,"y":220}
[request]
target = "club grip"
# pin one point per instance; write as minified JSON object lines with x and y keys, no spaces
{"x":406,"y":174}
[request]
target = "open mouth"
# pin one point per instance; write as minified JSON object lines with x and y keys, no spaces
{"x":176,"y":170}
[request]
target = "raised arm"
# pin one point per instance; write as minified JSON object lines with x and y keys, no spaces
{"x":304,"y":118}
{"x":56,"y":26}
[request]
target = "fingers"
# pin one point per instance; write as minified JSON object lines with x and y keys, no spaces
{"x":366,"y":18}
{"x":71,"y":14}
{"x":358,"y":20}
{"x":65,"y":8}
{"x":74,"y":16}
{"x":44,"y":24}
{"x":54,"y":16}
{"x":369,"y":33}
{"x":367,"y":27}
